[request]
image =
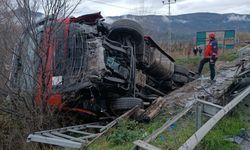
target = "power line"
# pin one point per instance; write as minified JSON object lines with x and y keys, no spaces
{"x":108,"y":4}
{"x":169,"y":2}
{"x":117,"y":6}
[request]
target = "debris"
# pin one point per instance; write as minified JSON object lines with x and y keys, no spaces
{"x":243,"y":135}
{"x":80,"y":136}
{"x":162,"y":138}
{"x":172,"y":126}
{"x":152,"y":110}
{"x":145,"y":145}
{"x":235,"y":139}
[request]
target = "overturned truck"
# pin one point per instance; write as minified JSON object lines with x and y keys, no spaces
{"x":94,"y":68}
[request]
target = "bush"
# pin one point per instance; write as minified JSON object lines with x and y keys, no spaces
{"x":17,"y":124}
{"x":126,"y":131}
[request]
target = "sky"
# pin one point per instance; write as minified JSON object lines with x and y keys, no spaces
{"x":156,"y":7}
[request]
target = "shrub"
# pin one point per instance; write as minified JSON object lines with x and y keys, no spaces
{"x":126,"y":131}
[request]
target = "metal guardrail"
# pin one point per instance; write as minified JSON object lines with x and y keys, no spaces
{"x":191,"y":143}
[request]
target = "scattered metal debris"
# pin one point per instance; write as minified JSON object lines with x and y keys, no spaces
{"x":243,"y":135}
{"x":79,"y":136}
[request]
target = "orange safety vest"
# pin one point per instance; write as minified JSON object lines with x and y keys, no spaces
{"x":211,"y":48}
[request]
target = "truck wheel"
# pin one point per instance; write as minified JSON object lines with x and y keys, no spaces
{"x":180,"y":78}
{"x":124,"y":103}
{"x":125,"y":28}
{"x":181,"y":70}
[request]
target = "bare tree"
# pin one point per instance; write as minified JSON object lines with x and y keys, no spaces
{"x":27,"y":69}
{"x":7,"y":28}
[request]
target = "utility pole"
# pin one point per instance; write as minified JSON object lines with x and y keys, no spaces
{"x":169,"y":2}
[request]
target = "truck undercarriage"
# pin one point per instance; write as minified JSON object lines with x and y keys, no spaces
{"x":101,"y":69}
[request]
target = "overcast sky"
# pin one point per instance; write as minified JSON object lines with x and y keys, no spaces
{"x":145,"y":7}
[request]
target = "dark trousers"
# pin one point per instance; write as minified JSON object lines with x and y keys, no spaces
{"x":211,"y":67}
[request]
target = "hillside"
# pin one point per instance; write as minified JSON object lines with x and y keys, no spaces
{"x":185,"y":26}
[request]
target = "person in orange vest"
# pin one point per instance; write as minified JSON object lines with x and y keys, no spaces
{"x":210,"y":55}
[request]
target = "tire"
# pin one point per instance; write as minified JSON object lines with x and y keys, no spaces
{"x":125,"y":27}
{"x":180,"y":78}
{"x":166,"y":85}
{"x":124,"y":103}
{"x":181,"y":70}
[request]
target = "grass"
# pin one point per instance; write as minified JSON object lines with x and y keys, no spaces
{"x":230,"y":125}
{"x":192,"y":62}
{"x":127,"y":131}
{"x":176,"y":134}
{"x":229,"y":56}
